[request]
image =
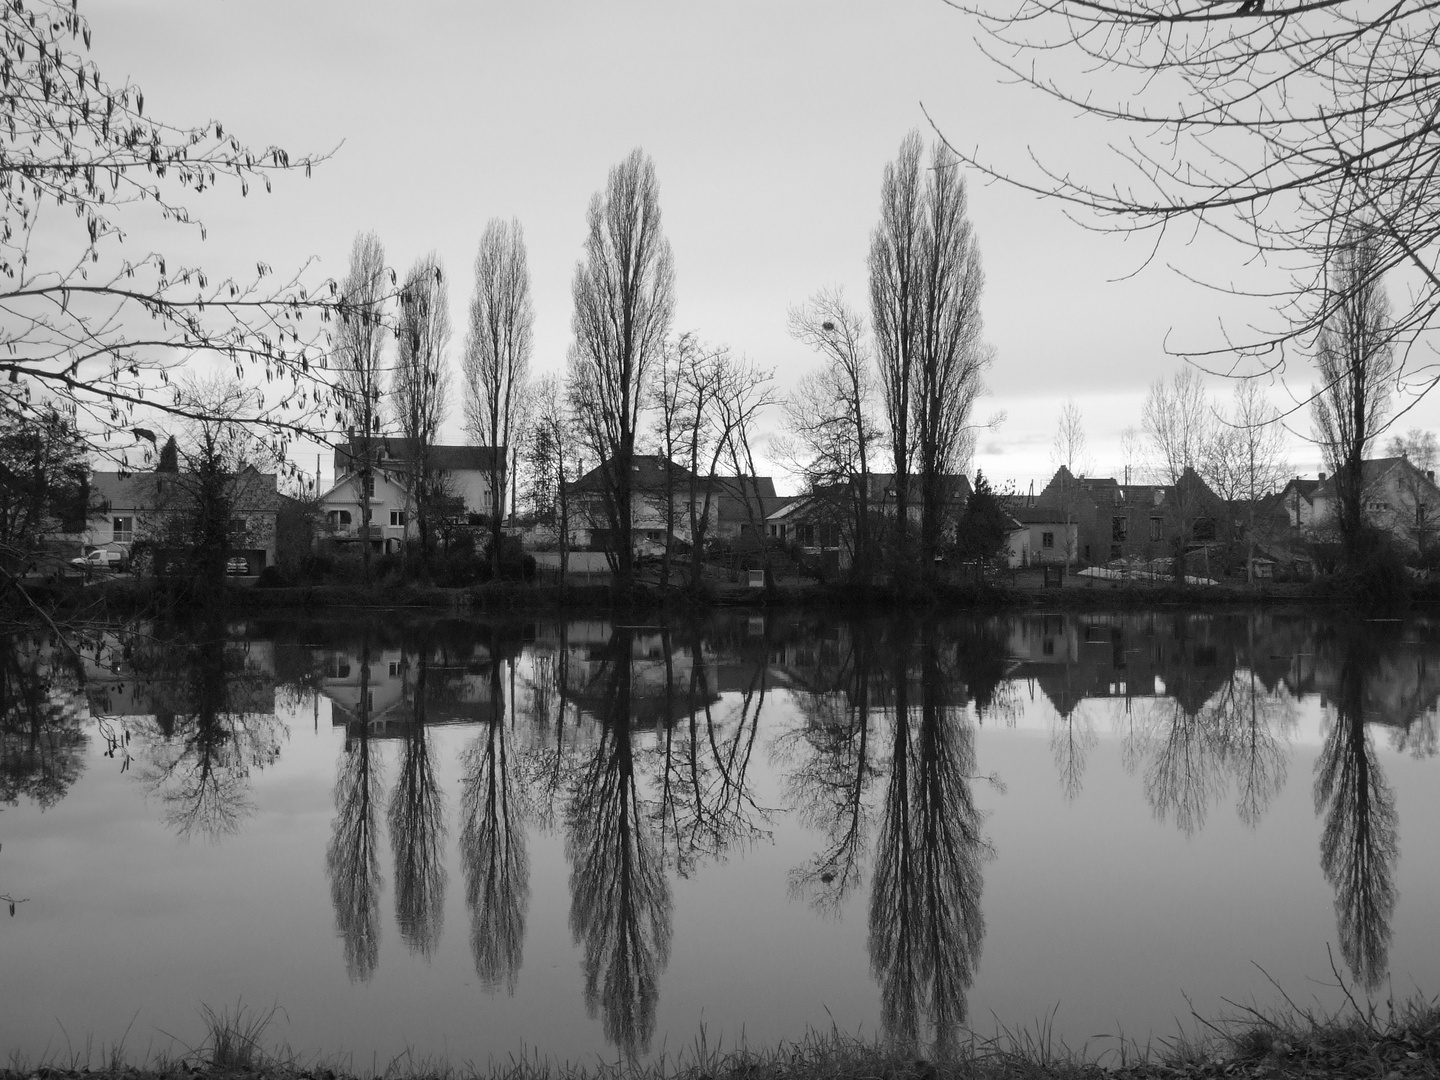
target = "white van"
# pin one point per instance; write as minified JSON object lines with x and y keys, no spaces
{"x":100,"y":559}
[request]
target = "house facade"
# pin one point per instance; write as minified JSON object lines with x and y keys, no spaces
{"x":1096,"y":520}
{"x":661,"y":500}
{"x":463,"y":474}
{"x":146,"y":511}
{"x":1397,"y":498}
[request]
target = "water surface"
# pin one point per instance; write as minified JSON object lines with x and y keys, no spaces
{"x":589,"y":839}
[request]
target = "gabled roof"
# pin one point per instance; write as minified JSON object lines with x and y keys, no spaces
{"x":882,"y":487}
{"x":1041,"y":512}
{"x":252,"y":490}
{"x":397,"y":450}
{"x":1371,"y":471}
{"x":651,"y":472}
{"x":737,"y":496}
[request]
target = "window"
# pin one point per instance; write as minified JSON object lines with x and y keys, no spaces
{"x":1114,"y":551}
{"x":1048,"y":647}
{"x":394,"y":669}
{"x":340,"y":668}
{"x":124,"y":530}
{"x":237,"y":527}
{"x":397,"y":517}
{"x":1047,"y":540}
{"x":338,"y":517}
{"x":1420,"y":512}
{"x":1119,"y":529}
{"x":1157,"y":530}
{"x":805,"y":535}
{"x":369,"y":487}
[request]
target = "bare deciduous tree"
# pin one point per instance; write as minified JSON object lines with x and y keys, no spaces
{"x":745,"y":391}
{"x":829,"y":416}
{"x":1418,"y":446}
{"x":552,"y":459}
{"x":1067,"y":451}
{"x":1273,"y":123}
{"x":667,"y":400}
{"x":358,"y":358}
{"x":1357,"y":365}
{"x":895,"y":288}
{"x":1131,"y":452}
{"x":925,"y":286}
{"x":497,"y":355}
{"x":624,"y":299}
{"x":1178,"y":423}
{"x":421,"y":380}
{"x":1245,"y":460}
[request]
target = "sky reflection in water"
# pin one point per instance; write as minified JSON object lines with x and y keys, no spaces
{"x":586,"y":838}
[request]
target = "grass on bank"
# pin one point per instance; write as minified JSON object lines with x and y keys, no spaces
{"x":1362,"y":1041}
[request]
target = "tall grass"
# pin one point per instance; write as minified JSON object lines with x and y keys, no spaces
{"x":1362,"y":1040}
{"x":232,"y":1040}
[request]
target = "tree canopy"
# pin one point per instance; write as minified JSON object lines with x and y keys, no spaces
{"x":98,"y":323}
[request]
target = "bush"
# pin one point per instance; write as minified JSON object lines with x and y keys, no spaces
{"x":273,"y":577}
{"x":1379,"y":579}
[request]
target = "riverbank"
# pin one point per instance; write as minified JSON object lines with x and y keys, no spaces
{"x":1401,"y":1045}
{"x":127,"y":595}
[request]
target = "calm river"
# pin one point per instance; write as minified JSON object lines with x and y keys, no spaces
{"x":587,"y":839}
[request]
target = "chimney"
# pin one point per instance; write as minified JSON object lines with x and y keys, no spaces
{"x":1322,"y":477}
{"x":1430,"y":475}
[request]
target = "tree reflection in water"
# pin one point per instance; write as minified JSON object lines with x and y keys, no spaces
{"x":352,"y":859}
{"x":417,"y":822}
{"x":42,"y":744}
{"x":926,"y":926}
{"x":1217,"y":725}
{"x":706,"y":806}
{"x":1360,"y":839}
{"x":492,"y":848}
{"x":214,"y":721}
{"x":831,"y":770}
{"x":620,"y":901}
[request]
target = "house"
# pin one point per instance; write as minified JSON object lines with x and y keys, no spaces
{"x":150,"y":509}
{"x":661,"y":499}
{"x":463,"y":474}
{"x":1396,"y":497}
{"x":1049,"y":538}
{"x":823,"y":521}
{"x":955,"y":496}
{"x":1112,"y":521}
{"x":821,"y":525}
{"x":1017,"y":543}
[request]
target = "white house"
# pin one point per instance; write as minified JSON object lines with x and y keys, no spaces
{"x":1396,"y":497}
{"x":464,"y":474}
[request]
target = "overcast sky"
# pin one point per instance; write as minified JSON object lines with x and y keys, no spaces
{"x":769,"y":122}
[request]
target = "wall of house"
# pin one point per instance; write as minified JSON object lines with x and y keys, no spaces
{"x":1053,"y":553}
{"x":472,"y":487}
{"x":389,"y":497}
{"x":152,"y":526}
{"x":647,"y":519}
{"x":1402,"y":502}
{"x":1017,"y":547}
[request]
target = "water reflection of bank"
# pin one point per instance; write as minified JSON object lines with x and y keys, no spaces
{"x":641,"y":746}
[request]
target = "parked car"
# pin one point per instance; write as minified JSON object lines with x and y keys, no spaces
{"x":238,"y":566}
{"x":100,"y":559}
